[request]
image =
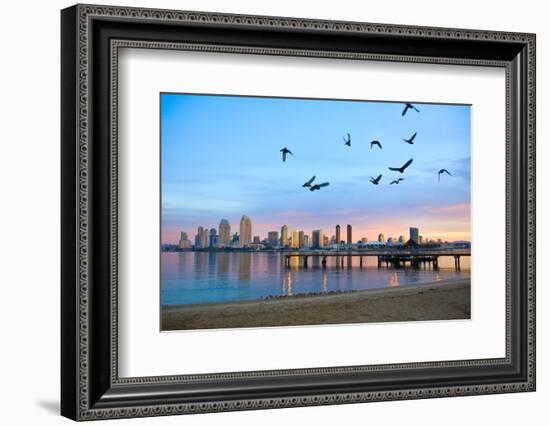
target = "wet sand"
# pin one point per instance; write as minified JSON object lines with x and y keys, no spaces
{"x":433,"y":301}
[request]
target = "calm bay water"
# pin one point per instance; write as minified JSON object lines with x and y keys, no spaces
{"x":208,"y":277}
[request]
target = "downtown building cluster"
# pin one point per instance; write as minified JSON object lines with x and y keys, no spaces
{"x":222,"y":238}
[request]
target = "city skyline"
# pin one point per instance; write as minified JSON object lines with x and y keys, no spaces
{"x":296,"y":238}
{"x":201,"y":183}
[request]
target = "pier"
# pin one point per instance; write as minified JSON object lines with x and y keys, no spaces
{"x":396,"y":258}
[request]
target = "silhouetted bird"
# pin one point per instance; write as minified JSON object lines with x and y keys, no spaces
{"x":318,"y":186}
{"x":396,"y":181}
{"x":308,"y":183}
{"x":439,"y":173}
{"x":348,"y":140}
{"x":411,"y":139}
{"x":286,"y":151}
{"x":375,"y":143}
{"x":402,"y":168}
{"x":377,"y":180}
{"x":408,"y":107}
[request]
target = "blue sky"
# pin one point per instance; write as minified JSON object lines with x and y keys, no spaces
{"x":221,"y":159}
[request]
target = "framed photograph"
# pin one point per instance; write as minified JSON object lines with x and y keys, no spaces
{"x":263,"y":212}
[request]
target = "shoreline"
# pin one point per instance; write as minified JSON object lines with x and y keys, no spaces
{"x":440,"y":300}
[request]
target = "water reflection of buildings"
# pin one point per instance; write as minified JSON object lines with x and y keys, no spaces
{"x":245,"y":264}
{"x":287,"y":284}
{"x":394,"y":280}
{"x":222,"y":264}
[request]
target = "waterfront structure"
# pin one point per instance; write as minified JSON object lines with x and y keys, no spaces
{"x":364,"y":240}
{"x":338,"y":236}
{"x":414,"y":235}
{"x":284,"y":236}
{"x":245,"y":231}
{"x":301,"y":243}
{"x":184,"y":241}
{"x":224,"y":232}
{"x":295,"y":240}
{"x":381,"y":238}
{"x":349,"y":239}
{"x":273,"y":238}
{"x":317,"y":238}
{"x":256,"y":239}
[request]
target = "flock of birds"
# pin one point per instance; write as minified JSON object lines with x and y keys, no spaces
{"x":347,"y":141}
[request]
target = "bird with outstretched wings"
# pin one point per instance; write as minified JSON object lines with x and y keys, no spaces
{"x":347,"y":140}
{"x":410,"y":140}
{"x":285,"y":151}
{"x":377,"y":143}
{"x":408,"y":107}
{"x":377,"y":180}
{"x":396,"y":181}
{"x":440,"y":172}
{"x":402,"y":168}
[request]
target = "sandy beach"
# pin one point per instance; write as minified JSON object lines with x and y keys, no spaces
{"x":432,"y":301}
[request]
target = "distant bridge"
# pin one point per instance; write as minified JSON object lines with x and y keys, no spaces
{"x":399,"y":257}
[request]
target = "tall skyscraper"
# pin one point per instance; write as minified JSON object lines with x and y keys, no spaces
{"x":306,"y":241}
{"x":224,"y":232}
{"x":201,"y":239}
{"x":205,"y":237}
{"x":284,"y":235}
{"x":349,"y":238}
{"x":317,"y":239}
{"x":338,"y":237}
{"x":301,"y":242}
{"x":402,"y":239}
{"x":256,"y":239}
{"x":414,"y":235}
{"x":184,"y":241}
{"x":381,"y":238}
{"x":245,"y":231}
{"x":295,"y":239}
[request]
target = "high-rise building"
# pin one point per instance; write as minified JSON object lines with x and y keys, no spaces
{"x":381,"y":238}
{"x":349,"y":239}
{"x":214,"y":240}
{"x":301,"y":239}
{"x":224,"y":232}
{"x":338,"y":237}
{"x":245,"y":231}
{"x":306,"y":241}
{"x":273,"y":238}
{"x":402,"y":239}
{"x":256,"y":239}
{"x":284,"y":235}
{"x":414,"y":235}
{"x":420,"y":239}
{"x":295,"y":239}
{"x":317,"y":239}
{"x":184,"y":241}
{"x":205,"y":237}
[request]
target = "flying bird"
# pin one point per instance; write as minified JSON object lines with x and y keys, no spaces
{"x":439,"y":173}
{"x":377,"y":180}
{"x":318,"y":186}
{"x":408,"y":107}
{"x":411,"y":139}
{"x":308,"y":183}
{"x":402,"y":168}
{"x":396,"y":181}
{"x":348,"y":140}
{"x":286,"y":151}
{"x":375,"y":143}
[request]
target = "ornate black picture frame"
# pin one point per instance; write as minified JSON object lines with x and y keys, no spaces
{"x":91,"y":387}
